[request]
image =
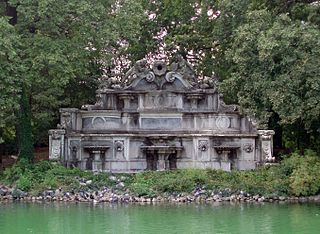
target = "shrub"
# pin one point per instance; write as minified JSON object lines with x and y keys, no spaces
{"x":305,"y":178}
{"x":295,"y":175}
{"x":11,"y":175}
{"x":142,"y":189}
{"x":25,"y":182}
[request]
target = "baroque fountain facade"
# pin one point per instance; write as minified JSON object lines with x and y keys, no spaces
{"x":158,"y":117}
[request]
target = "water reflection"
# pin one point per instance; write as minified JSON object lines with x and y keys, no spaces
{"x":158,"y":218}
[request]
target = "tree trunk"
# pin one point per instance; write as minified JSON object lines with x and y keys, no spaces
{"x":24,"y":128}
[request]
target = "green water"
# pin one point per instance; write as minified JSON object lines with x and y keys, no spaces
{"x":166,"y":218}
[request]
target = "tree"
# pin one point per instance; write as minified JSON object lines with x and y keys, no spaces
{"x":9,"y":85}
{"x":275,"y":72}
{"x":264,"y":52}
{"x":53,"y":47}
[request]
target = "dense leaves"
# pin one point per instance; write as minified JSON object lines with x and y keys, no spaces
{"x":265,"y":53}
{"x":9,"y":85}
{"x":275,"y":69}
{"x":53,"y":49}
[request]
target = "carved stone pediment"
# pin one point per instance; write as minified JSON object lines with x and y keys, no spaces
{"x":159,"y":77}
{"x":177,"y":75}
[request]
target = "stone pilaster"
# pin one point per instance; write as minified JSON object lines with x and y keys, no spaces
{"x":194,"y":98}
{"x":126,"y":100}
{"x":266,"y":144}
{"x":56,"y":144}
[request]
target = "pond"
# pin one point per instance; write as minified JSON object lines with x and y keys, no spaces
{"x":159,"y":218}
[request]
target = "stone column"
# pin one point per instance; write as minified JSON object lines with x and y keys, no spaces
{"x":223,"y":158}
{"x":96,"y":159}
{"x":162,"y":154}
{"x":225,"y":162}
{"x":72,"y":158}
{"x":56,"y":144}
{"x":266,"y":144}
{"x":225,"y":155}
{"x":97,"y":163}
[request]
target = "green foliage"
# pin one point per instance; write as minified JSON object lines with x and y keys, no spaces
{"x":151,"y":183}
{"x":274,"y":69}
{"x":25,"y":182}
{"x":9,"y":85}
{"x":56,"y":47}
{"x":305,"y":177}
{"x":47,"y":175}
{"x":295,"y":175}
{"x":14,"y":173}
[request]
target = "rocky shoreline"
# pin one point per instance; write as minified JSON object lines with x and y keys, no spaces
{"x":112,"y":195}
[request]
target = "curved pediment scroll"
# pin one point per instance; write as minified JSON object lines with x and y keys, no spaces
{"x":159,"y":77}
{"x":178,"y":75}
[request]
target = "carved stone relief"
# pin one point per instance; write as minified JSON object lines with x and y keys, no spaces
{"x":171,"y":76}
{"x":55,"y":135}
{"x":119,"y":145}
{"x":150,"y":77}
{"x":248,"y":147}
{"x":98,"y":122}
{"x":119,"y":149}
{"x":74,"y":148}
{"x":203,"y":145}
{"x":223,"y":107}
{"x":55,"y":149}
{"x":208,"y":82}
{"x":180,"y":65}
{"x":266,"y":149}
{"x":140,"y":68}
{"x":223,"y":122}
